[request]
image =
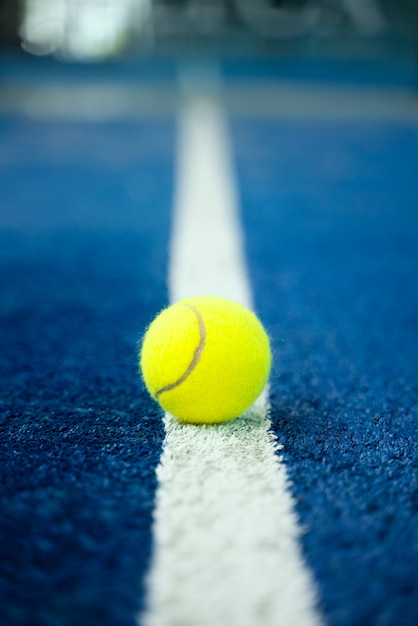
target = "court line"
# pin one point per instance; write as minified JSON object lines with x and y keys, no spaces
{"x":226,"y":535}
{"x":103,"y":101}
{"x":323,"y":103}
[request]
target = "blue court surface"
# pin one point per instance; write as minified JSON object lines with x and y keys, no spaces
{"x":329,"y":214}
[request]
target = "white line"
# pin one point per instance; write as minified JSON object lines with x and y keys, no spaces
{"x":96,"y":102}
{"x":226,"y":537}
{"x":102,"y":102}
{"x":323,"y":103}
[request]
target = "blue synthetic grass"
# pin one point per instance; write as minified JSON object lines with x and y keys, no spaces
{"x":331,"y":227}
{"x":83,"y":266}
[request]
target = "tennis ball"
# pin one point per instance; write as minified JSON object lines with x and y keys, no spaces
{"x":205,"y":359}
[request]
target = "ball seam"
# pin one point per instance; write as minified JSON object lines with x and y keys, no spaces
{"x":196,"y":356}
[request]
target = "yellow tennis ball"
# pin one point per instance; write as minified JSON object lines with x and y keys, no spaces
{"x":205,"y":359}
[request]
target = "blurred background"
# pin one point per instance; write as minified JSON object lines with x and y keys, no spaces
{"x":86,"y":30}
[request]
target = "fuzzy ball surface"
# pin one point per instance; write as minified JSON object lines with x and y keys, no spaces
{"x":205,"y":359}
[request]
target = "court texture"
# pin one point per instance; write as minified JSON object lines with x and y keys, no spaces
{"x":287,"y":184}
